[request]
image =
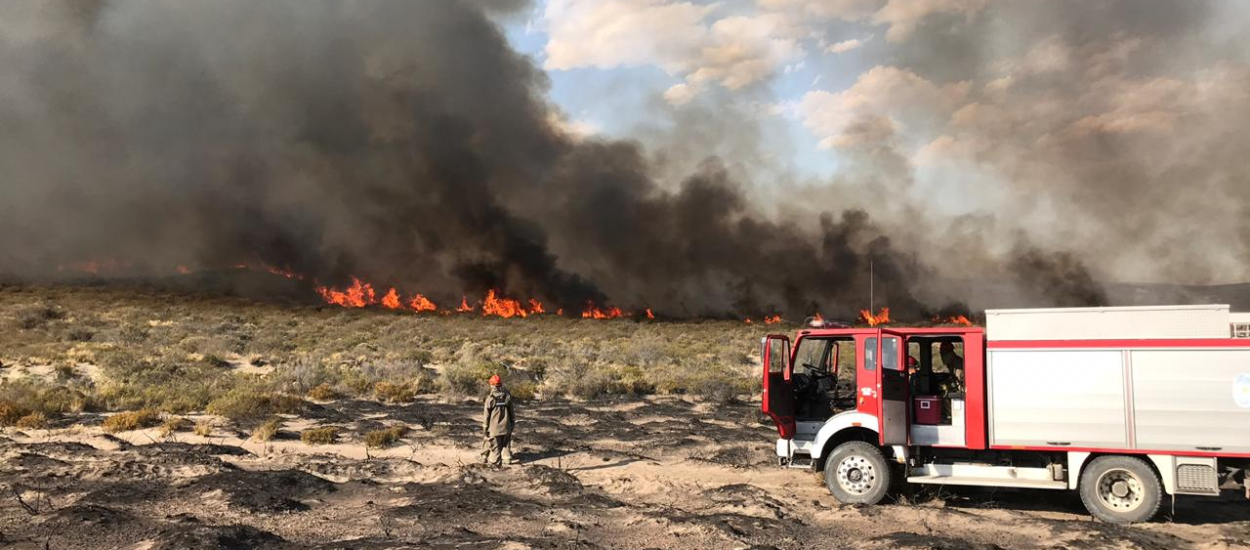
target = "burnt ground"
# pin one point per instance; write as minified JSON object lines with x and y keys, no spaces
{"x":655,"y":473}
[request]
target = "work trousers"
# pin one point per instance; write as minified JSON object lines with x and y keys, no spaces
{"x":500,"y":449}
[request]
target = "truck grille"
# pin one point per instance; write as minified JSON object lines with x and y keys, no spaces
{"x":1197,"y":478}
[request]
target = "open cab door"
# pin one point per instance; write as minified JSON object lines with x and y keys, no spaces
{"x":778,"y":402}
{"x":893,"y":387}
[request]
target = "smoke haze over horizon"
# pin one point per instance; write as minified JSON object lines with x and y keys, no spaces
{"x":411,"y":145}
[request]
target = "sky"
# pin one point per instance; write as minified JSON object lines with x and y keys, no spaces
{"x":1072,"y":123}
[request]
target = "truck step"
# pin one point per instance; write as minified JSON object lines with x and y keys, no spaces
{"x":988,"y":482}
{"x":800,"y":463}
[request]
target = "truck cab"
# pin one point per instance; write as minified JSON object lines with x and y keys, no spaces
{"x":1124,"y":405}
{"x":882,"y":386}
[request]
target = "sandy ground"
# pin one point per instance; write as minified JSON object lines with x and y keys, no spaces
{"x":655,"y":473}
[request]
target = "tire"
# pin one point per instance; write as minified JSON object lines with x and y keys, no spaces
{"x":857,"y":473}
{"x":1121,"y":490}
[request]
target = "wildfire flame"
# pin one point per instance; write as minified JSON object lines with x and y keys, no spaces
{"x":420,"y":303}
{"x":536,"y":307}
{"x":391,"y":300}
{"x":464,"y":305}
{"x":873,"y":320}
{"x":772,"y":320}
{"x":503,"y":307}
{"x":956,"y":320}
{"x":592,"y":312}
{"x":358,"y":295}
{"x":650,"y":315}
{"x":183,"y":270}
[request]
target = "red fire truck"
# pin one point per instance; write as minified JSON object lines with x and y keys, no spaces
{"x":1124,"y":405}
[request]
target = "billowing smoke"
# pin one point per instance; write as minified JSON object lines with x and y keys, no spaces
{"x":408,"y":144}
{"x":402,"y":142}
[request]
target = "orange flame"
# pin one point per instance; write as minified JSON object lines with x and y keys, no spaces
{"x":420,"y":303}
{"x":772,"y":320}
{"x":874,"y":320}
{"x":391,"y":300}
{"x":956,"y":320}
{"x":592,"y":312}
{"x":536,"y":307}
{"x":282,"y":272}
{"x":503,"y":307}
{"x":464,"y":305}
{"x":358,"y":295}
{"x":184,"y":270}
{"x":650,"y":315}
{"x":748,"y":321}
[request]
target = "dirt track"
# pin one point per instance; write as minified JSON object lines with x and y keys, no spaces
{"x":660,"y":473}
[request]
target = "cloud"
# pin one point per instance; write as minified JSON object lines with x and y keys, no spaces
{"x":904,"y":16}
{"x":845,"y":46}
{"x":684,"y":39}
{"x":889,"y":93}
{"x":849,"y":10}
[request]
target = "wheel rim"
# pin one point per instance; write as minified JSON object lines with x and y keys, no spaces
{"x":1121,"y":490}
{"x":856,"y":475}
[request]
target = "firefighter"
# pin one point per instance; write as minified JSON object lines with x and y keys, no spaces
{"x":951,"y":359}
{"x":497,"y":422}
{"x":913,"y":374}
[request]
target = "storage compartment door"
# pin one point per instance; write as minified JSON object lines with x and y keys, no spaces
{"x":1192,"y":400}
{"x":1058,"y":398}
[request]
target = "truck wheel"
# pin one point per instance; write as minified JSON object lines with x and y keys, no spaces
{"x":857,"y":473}
{"x":1120,"y":489}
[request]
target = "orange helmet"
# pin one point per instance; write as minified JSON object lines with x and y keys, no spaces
{"x":495,"y":380}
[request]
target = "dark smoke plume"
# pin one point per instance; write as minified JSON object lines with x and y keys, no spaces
{"x":401,"y":142}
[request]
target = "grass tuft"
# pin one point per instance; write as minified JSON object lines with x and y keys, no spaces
{"x":131,"y":420}
{"x":394,"y":393}
{"x":378,"y":439}
{"x":268,"y":430}
{"x":33,"y":421}
{"x":320,"y":436}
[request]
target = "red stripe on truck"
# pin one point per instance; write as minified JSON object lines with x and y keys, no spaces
{"x":1120,"y":344}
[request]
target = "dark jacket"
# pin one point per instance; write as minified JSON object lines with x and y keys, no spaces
{"x":497,"y":413}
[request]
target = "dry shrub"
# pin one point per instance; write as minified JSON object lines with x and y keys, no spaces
{"x":524,"y":391}
{"x":469,"y":378}
{"x":203,"y":428}
{"x":385,"y":437}
{"x":245,"y":405}
{"x":268,"y":430}
{"x":394,"y":393}
{"x":174,"y":424}
{"x":11,"y":412}
{"x":320,"y":436}
{"x":323,"y":392}
{"x":32,"y":421}
{"x":38,"y":315}
{"x":131,"y":420}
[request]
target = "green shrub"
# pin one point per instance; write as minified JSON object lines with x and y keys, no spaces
{"x":469,"y":379}
{"x":385,"y":437}
{"x":320,"y":436}
{"x":268,"y":430}
{"x":131,"y":420}
{"x":248,"y":405}
{"x":394,"y":393}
